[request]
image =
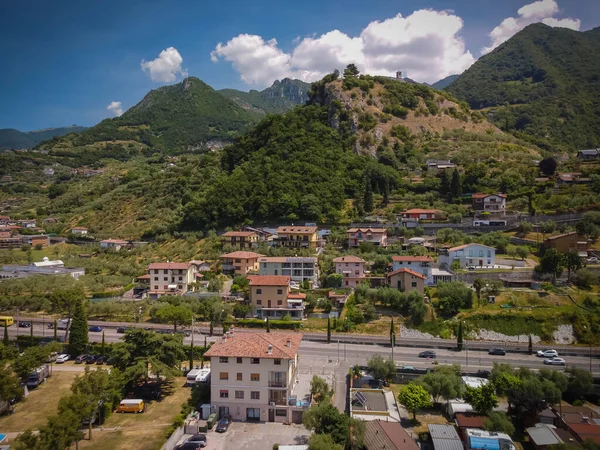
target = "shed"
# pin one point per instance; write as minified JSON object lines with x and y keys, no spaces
{"x":445,"y":437}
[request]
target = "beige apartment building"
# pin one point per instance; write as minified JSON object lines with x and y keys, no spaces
{"x":352,"y":268}
{"x":240,"y":239}
{"x":298,"y":237}
{"x":253,"y":376}
{"x":270,"y":297}
{"x":240,"y":263}
{"x":169,"y":278}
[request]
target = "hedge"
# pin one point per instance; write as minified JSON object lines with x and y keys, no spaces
{"x":276,"y":324}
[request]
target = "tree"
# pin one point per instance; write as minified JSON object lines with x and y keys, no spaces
{"x":103,"y":346}
{"x":559,"y":379}
{"x":414,"y":397}
{"x":334,"y":280}
{"x":580,"y":383}
{"x":503,"y":378}
{"x":453,"y":296}
{"x":522,"y":252}
{"x":445,"y":184}
{"x":530,"y":345}
{"x":368,"y":197}
{"x":328,"y":330}
{"x":65,"y":300}
{"x":444,"y":382}
{"x":548,"y":227}
{"x":61,"y":431}
{"x":478,"y":285}
{"x":572,"y":262}
{"x":319,"y":389}
{"x":78,"y":340}
{"x":326,"y":419}
{"x":323,"y":442}
{"x":499,"y":422}
{"x":175,"y":314}
{"x":455,"y":185}
{"x":552,"y":263}
{"x":6,"y":341}
{"x":585,"y":278}
{"x":10,"y":386}
{"x":268,"y":325}
{"x":548,"y":166}
{"x":29,"y":360}
{"x":532,"y":395}
{"x":380,"y":368}
{"x":351,"y":71}
{"x":483,"y":398}
{"x":459,"y":337}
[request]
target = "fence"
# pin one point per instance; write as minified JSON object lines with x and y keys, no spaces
{"x":173,"y":439}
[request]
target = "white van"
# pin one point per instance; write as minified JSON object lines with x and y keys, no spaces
{"x":63,"y":324}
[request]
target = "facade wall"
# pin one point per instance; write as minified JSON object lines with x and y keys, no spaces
{"x":296,"y":240}
{"x":405,"y":282}
{"x":241,"y":242}
{"x":563,"y":244}
{"x":298,"y":269}
{"x":353,"y":272}
{"x":472,"y":255}
{"x":240,"y":266}
{"x":424,"y":268}
{"x":160,"y":279}
{"x":269,"y":296}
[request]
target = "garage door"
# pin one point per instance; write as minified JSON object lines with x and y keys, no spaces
{"x":297,"y":416}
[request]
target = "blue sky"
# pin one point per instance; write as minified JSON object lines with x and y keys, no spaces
{"x":66,"y":61}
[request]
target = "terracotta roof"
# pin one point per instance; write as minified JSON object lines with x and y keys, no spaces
{"x":586,"y":431}
{"x":144,"y":277}
{"x":387,"y":435}
{"x":297,"y":296}
{"x":460,"y":247}
{"x":282,"y":259}
{"x":366,"y":230}
{"x":239,"y":234}
{"x":255,"y":345}
{"x":480,"y":195}
{"x":242,"y":255}
{"x":584,"y":410}
{"x":169,"y":265}
{"x":468,"y":420}
{"x":349,"y":258}
{"x":296,"y":230}
{"x":409,"y":271}
{"x":412,"y":258}
{"x":421,"y":211}
{"x":268,"y":280}
{"x":79,"y":228}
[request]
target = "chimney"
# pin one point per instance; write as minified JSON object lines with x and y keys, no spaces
{"x":270,"y":349}
{"x":224,"y":338}
{"x":288,"y":343}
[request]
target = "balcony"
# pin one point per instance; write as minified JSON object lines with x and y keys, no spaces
{"x":277,"y":384}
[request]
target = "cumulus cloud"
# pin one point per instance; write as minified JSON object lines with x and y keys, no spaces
{"x":425,"y":45}
{"x":166,"y":67}
{"x":539,"y":11}
{"x":115,"y":108}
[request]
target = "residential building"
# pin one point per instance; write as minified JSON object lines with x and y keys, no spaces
{"x":489,"y":203}
{"x":562,"y":243}
{"x":44,"y":267}
{"x":406,"y":280}
{"x":200,"y":266}
{"x":8,"y":241}
{"x":376,"y":236}
{"x":477,"y":255}
{"x":387,"y":435}
{"x":49,"y":171}
{"x":297,"y":236}
{"x":81,"y":231}
{"x":47,"y":263}
{"x":352,"y":268}
{"x":582,"y":422}
{"x":543,"y":436}
{"x":240,"y":263}
{"x":270,"y":297}
{"x":420,"y":264}
{"x":422,"y":214}
{"x":36,"y":239}
{"x":50,"y":220}
{"x":115,"y":244}
{"x":240,"y":239}
{"x":444,"y":437}
{"x":298,"y":268}
{"x":571,"y":178}
{"x":27,"y":223}
{"x":436,"y":165}
{"x":170,"y":278}
{"x":589,"y":155}
{"x":253,"y":376}
{"x":263,"y":235}
{"x":484,"y":440}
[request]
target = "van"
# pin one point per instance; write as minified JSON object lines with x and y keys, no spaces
{"x":132,"y":405}
{"x":62,"y":324}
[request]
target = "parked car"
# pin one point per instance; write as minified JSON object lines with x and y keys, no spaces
{"x":547,"y":353}
{"x":95,"y":329}
{"x":121,"y":330}
{"x":471,"y":267}
{"x":184,"y":332}
{"x":91,"y":359}
{"x":189,"y":446}
{"x":223,"y":424}
{"x":496,"y":351}
{"x":427,"y":354}
{"x":199,"y":439}
{"x":101,"y":360}
{"x":592,"y":260}
{"x":62,"y":358}
{"x":24,"y":324}
{"x":81,"y":359}
{"x":555,"y":362}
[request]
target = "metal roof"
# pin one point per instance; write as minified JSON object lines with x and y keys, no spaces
{"x":445,"y":437}
{"x":543,"y":436}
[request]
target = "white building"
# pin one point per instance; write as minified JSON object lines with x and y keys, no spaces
{"x":420,"y":264}
{"x":298,"y":268}
{"x":477,"y":255}
{"x":81,"y":231}
{"x":115,"y":244}
{"x":170,"y":278}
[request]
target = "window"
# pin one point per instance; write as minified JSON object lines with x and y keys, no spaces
{"x":223,"y":359}
{"x":480,"y":253}
{"x":277,"y":361}
{"x":255,"y":377}
{"x":254,"y":361}
{"x":259,"y":302}
{"x":281,"y":412}
{"x":156,"y":288}
{"x":279,"y":291}
{"x":489,"y":254}
{"x":166,"y":279}
{"x":155,"y":278}
{"x":224,"y":394}
{"x":240,"y":360}
{"x":156,"y":272}
{"x":259,"y":291}
{"x":253,"y":414}
{"x":279,"y":302}
{"x":255,"y":395}
{"x":165,"y":272}
{"x":180,"y":278}
{"x":240,"y":376}
{"x":224,"y":376}
{"x":275,"y":271}
{"x":414,"y":284}
{"x":239,"y":394}
{"x":356,"y":264}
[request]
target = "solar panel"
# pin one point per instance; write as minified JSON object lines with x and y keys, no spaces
{"x":361,"y":398}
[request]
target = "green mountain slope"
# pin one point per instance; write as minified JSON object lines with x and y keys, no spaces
{"x":15,"y":139}
{"x":543,"y":83}
{"x":445,"y":82}
{"x":279,"y":98}
{"x":38,"y":136}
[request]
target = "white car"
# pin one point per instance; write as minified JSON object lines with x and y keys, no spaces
{"x":62,"y":358}
{"x":547,"y":353}
{"x":555,"y":362}
{"x":593,"y":260}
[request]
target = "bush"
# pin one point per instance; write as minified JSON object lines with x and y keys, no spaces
{"x":585,"y":278}
{"x":276,"y":324}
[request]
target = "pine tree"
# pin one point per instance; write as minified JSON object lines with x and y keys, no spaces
{"x":368,"y":198}
{"x":386,"y":191}
{"x":445,"y":184}
{"x":78,"y":337}
{"x":268,"y":325}
{"x":328,"y":330}
{"x":459,"y":338}
{"x":530,"y":345}
{"x":6,"y":342}
{"x":455,"y":185}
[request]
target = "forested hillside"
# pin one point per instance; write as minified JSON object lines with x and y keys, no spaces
{"x":15,"y":139}
{"x":543,"y":84}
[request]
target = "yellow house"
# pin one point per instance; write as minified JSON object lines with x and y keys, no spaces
{"x":298,"y":237}
{"x":241,"y":239}
{"x":270,"y":297}
{"x":240,"y":263}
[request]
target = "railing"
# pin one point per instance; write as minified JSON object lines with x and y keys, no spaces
{"x":278,"y":402}
{"x":277,"y":384}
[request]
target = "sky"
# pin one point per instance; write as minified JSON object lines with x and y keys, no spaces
{"x":78,"y":62}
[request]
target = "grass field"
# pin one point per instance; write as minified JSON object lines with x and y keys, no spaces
{"x":39,"y":405}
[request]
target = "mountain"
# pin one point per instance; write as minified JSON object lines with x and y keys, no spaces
{"x":444,"y":82}
{"x":542,"y":84}
{"x":279,"y":98}
{"x":15,"y":139}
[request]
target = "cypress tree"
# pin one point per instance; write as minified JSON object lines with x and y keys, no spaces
{"x":368,"y":198}
{"x":268,"y":325}
{"x":211,"y":328}
{"x":78,"y":337}
{"x":191,"y":356}
{"x":31,"y":335}
{"x":455,"y":187}
{"x":459,"y":338}
{"x":445,"y":184}
{"x":392,"y":332}
{"x":102,"y":346}
{"x":55,"y":336}
{"x":328,"y":330}
{"x":530,"y":345}
{"x":6,"y":342}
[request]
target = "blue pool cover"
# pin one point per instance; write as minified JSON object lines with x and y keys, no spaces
{"x":483,"y":443}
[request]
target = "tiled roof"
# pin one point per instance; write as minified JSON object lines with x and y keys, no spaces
{"x":242,"y":255}
{"x":282,"y":259}
{"x":468,"y":420}
{"x":268,"y":280}
{"x":586,"y":431}
{"x":169,"y":266}
{"x":239,"y":234}
{"x":299,"y":295}
{"x":255,"y":345}
{"x":349,"y":258}
{"x":480,"y":195}
{"x":79,"y":228}
{"x":368,"y":230}
{"x":412,"y":258}
{"x":144,"y":277}
{"x":296,"y":230}
{"x":387,"y":435}
{"x":409,"y":271}
{"x":460,"y":247}
{"x":421,"y":211}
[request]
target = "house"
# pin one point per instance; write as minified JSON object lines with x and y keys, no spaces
{"x":543,"y":436}
{"x":115,"y":244}
{"x":240,"y":239}
{"x":420,"y":264}
{"x":338,"y":300}
{"x":376,"y":236}
{"x":50,"y":220}
{"x":582,"y":422}
{"x":27,"y":223}
{"x":240,"y":263}
{"x":477,"y":255}
{"x":484,"y":440}
{"x":571,"y":178}
{"x":200,"y":266}
{"x":562,"y":243}
{"x":436,"y":165}
{"x":352,"y":268}
{"x":47,"y":263}
{"x":7,"y":241}
{"x":81,"y":231}
{"x":169,"y":278}
{"x":263,"y":235}
{"x":468,"y":420}
{"x":253,"y":376}
{"x":388,"y":436}
{"x":422,"y":214}
{"x":588,"y":155}
{"x":489,"y":203}
{"x":406,"y":280}
{"x":36,"y":239}
{"x":270,"y":297}
{"x":49,"y":171}
{"x":444,"y":437}
{"x":297,"y":237}
{"x":298,"y":268}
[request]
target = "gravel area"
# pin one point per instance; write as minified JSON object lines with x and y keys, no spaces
{"x":487,"y":335}
{"x":564,"y":334}
{"x":409,"y":333}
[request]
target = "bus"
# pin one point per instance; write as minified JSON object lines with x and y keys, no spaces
{"x":6,"y":321}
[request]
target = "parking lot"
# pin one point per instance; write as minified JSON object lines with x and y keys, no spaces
{"x":252,"y":436}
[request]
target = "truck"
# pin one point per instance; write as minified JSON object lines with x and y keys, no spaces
{"x":37,"y":376}
{"x":63,"y":324}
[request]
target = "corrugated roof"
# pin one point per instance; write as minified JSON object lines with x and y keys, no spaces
{"x":256,"y":345}
{"x":445,"y":437}
{"x":543,"y":436}
{"x":468,"y":420}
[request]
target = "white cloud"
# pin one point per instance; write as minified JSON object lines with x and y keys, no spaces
{"x":115,"y":108}
{"x":166,"y":67}
{"x":424,"y":45}
{"x":539,"y":11}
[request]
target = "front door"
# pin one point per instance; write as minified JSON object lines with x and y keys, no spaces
{"x":481,"y":263}
{"x":271,"y":415}
{"x":223,"y":411}
{"x":269,"y":303}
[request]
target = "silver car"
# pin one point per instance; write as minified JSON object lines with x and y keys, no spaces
{"x":555,"y":362}
{"x":547,"y":353}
